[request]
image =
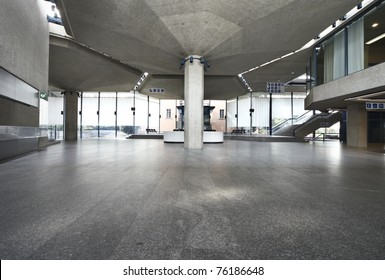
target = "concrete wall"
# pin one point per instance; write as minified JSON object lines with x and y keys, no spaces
{"x":357,"y":126}
{"x":365,"y":81}
{"x":17,"y":114}
{"x":24,"y":48}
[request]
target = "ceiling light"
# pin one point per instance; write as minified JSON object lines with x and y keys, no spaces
{"x":376,"y":24}
{"x":376,"y":39}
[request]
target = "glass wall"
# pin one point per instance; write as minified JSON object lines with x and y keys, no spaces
{"x":261,"y":113}
{"x":111,"y":114}
{"x":285,"y":108}
{"x":107,"y":114}
{"x":43,"y":112}
{"x":90,"y":115}
{"x":331,"y":59}
{"x":361,"y":44}
{"x":125,"y":115}
{"x":141,"y":112}
{"x":154,"y":114}
{"x":244,"y":113}
{"x":374,"y":36}
{"x":55,"y":116}
{"x":231,"y":115}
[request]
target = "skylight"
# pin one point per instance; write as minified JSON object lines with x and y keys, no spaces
{"x":53,"y":14}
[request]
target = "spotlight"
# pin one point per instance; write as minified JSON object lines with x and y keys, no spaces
{"x":182,"y":62}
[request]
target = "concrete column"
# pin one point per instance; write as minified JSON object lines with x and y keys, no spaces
{"x":70,"y":115}
{"x":357,"y":126}
{"x":193,"y":102}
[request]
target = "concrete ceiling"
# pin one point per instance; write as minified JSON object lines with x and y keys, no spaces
{"x":283,"y":70}
{"x":75,"y":67}
{"x":233,"y":35}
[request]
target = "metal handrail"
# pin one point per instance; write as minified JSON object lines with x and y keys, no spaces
{"x":290,"y":121}
{"x":323,"y":134}
{"x":16,"y":132}
{"x":322,"y":115}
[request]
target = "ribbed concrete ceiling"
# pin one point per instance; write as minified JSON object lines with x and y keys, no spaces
{"x":233,"y":35}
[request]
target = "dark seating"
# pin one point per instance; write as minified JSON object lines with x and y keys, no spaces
{"x":238,"y":131}
{"x":148,"y":130}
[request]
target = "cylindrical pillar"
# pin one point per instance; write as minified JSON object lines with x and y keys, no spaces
{"x":193,"y":96}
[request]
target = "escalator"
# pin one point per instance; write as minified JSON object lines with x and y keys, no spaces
{"x":303,"y":126}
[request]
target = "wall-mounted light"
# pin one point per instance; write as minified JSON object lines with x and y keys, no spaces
{"x":375,"y":25}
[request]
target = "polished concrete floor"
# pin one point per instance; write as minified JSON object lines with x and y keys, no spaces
{"x":143,"y":199}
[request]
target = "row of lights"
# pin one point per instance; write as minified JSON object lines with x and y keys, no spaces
{"x":322,"y":34}
{"x":244,"y":82}
{"x":141,"y":80}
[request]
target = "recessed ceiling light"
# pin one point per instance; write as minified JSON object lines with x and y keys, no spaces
{"x":376,"y":24}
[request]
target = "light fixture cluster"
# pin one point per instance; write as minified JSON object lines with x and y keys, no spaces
{"x":244,"y":82}
{"x":191,"y":59}
{"x":141,"y":80}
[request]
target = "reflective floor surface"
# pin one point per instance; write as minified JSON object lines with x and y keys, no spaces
{"x":143,"y":199}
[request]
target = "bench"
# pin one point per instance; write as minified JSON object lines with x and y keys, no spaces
{"x":238,"y":131}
